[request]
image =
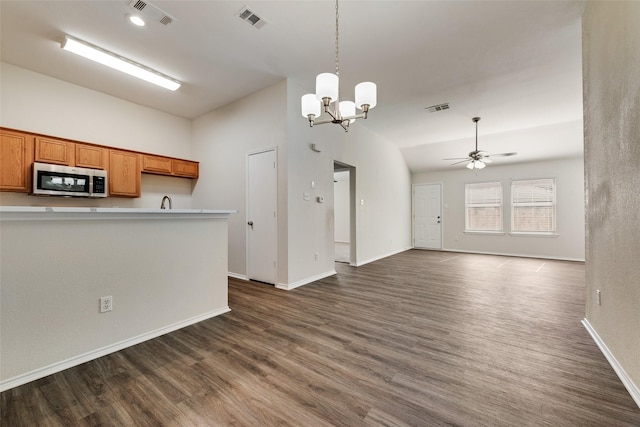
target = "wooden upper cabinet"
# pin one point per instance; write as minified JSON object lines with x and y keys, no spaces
{"x":16,"y":158}
{"x":91,"y":156}
{"x":184,"y":168}
{"x":124,"y":173}
{"x":20,"y":149}
{"x":167,"y":166}
{"x":156,"y":164}
{"x":59,"y":152}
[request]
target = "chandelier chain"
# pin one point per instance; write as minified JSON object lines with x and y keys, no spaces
{"x":337,"y":43}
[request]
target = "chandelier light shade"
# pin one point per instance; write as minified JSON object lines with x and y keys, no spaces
{"x":366,"y":95}
{"x":117,"y":62}
{"x":327,"y":93}
{"x":310,"y":106}
{"x":347,"y":109}
{"x":327,"y":87}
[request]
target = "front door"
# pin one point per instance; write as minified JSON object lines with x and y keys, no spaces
{"x":427,"y":216}
{"x":262,"y":227}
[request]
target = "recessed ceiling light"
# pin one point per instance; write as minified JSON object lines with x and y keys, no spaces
{"x":136,"y":20}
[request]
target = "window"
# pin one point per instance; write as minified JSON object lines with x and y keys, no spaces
{"x":483,"y":207}
{"x":533,"y":206}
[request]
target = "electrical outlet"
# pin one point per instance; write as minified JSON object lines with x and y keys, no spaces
{"x":106,"y":304}
{"x":599,"y":297}
{"x":316,"y":256}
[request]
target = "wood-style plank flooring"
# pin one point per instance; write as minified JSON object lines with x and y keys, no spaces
{"x":422,"y":338}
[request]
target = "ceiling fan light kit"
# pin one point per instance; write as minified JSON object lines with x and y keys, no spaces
{"x":327,"y":93}
{"x":478,"y":159}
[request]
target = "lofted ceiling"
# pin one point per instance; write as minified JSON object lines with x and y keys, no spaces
{"x":517,"y":64}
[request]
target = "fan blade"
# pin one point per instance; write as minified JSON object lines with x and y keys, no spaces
{"x":461,"y":161}
{"x":501,"y":155}
{"x":457,"y":158}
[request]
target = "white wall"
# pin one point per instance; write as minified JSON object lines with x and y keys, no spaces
{"x":37,"y":103}
{"x":271,"y":118}
{"x":568,"y":173}
{"x":611,"y":42}
{"x":383,"y":195}
{"x":222,"y":140}
{"x":341,"y":198}
{"x":163,"y":272}
{"x":383,"y":183}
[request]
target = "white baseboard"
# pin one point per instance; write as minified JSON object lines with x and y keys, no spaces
{"x":238,"y":276}
{"x":103,"y":351}
{"x":507,"y":254}
{"x":631,"y":387}
{"x":289,"y":286}
{"x":367,"y":261}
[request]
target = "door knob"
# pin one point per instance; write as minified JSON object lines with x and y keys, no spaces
{"x":250,"y":223}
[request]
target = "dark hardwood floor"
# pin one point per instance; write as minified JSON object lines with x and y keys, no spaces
{"x":422,"y":338}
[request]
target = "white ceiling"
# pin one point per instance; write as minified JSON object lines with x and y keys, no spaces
{"x":517,"y":64}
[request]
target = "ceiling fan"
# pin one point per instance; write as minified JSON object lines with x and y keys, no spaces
{"x":477,"y":159}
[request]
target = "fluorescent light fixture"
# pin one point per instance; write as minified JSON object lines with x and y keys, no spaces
{"x":118,"y":62}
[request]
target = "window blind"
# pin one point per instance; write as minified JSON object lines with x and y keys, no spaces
{"x":483,"y":206}
{"x":533,"y":205}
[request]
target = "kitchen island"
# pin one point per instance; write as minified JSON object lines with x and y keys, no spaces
{"x":163,"y":269}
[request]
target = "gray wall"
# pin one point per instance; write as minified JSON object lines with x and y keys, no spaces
{"x":568,"y":173}
{"x":611,"y":75}
{"x":271,"y":118}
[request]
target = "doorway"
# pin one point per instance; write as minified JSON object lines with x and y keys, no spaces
{"x":344,"y":212}
{"x":262,"y":221}
{"x":427,"y":216}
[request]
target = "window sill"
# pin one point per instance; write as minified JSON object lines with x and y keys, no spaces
{"x":533,"y":234}
{"x":486,"y":233}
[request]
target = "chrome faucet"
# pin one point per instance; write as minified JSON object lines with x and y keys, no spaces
{"x":164,"y":199}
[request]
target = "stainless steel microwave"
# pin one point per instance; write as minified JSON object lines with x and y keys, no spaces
{"x":55,"y":180}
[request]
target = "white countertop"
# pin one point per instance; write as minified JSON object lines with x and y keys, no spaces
{"x":41,"y":212}
{"x":112,"y":210}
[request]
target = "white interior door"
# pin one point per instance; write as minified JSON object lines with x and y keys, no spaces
{"x":262,"y":227}
{"x":427,"y":216}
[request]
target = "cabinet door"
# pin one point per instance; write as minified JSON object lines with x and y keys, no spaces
{"x":16,"y":158}
{"x":124,"y":174}
{"x":156,"y":164}
{"x":49,"y":150}
{"x":90,"y":156}
{"x":185,"y":168}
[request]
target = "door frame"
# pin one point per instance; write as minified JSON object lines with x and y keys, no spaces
{"x":247,"y":204}
{"x":413,"y":214}
{"x":340,"y":166}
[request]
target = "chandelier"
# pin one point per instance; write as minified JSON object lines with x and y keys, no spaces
{"x":342,"y":113}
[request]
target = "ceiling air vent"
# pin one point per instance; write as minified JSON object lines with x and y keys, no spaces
{"x":248,"y":16}
{"x":149,"y":12}
{"x":438,"y":107}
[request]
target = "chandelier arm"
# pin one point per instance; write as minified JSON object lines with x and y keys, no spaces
{"x":323,"y":121}
{"x":335,"y":115}
{"x":357,"y":116}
